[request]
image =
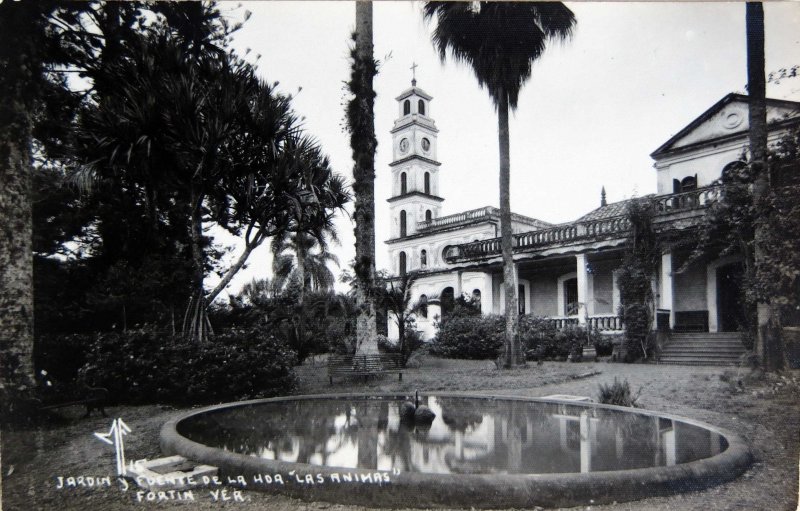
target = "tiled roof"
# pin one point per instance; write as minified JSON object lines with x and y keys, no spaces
{"x":608,"y":211}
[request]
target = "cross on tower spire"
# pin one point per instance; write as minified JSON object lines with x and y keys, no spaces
{"x":413,"y":73}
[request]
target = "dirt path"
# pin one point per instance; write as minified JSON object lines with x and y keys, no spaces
{"x":766,"y":412}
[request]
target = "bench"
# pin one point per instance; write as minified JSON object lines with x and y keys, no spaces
{"x":94,"y":398}
{"x":364,"y":365}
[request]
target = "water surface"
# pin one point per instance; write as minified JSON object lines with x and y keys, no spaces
{"x":468,"y":436}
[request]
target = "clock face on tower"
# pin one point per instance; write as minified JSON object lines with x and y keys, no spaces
{"x":404,"y":145}
{"x":426,"y":145}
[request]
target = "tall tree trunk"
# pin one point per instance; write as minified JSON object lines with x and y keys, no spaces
{"x":769,"y":345}
{"x":363,"y":144}
{"x":511,"y":351}
{"x":196,"y":325}
{"x":21,"y":68}
{"x":300,"y":327}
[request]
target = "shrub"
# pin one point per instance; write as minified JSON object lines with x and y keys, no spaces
{"x":604,"y":344}
{"x":617,"y":393}
{"x":469,"y":336}
{"x":541,"y":340}
{"x":146,"y":366}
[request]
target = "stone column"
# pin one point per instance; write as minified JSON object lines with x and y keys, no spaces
{"x":487,"y":294}
{"x":583,"y":287}
{"x":666,"y":291}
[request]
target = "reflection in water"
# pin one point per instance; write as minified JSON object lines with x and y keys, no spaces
{"x":468,"y":436}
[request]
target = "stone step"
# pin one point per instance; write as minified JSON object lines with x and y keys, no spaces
{"x":710,"y":360}
{"x":712,"y":344}
{"x":706,"y":347}
{"x":720,"y":363}
{"x":706,"y":335}
{"x":701,"y":361}
{"x":712,"y":354}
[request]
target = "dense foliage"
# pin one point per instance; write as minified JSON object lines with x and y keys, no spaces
{"x":639,"y":266}
{"x":542,"y":340}
{"x":172,"y":132}
{"x":730,"y":226}
{"x":467,"y":334}
{"x":146,"y":365}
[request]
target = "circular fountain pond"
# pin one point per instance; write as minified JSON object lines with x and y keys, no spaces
{"x":480,"y":451}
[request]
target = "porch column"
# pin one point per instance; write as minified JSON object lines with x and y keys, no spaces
{"x":665,"y":302}
{"x":487,"y":294}
{"x":459,"y":290}
{"x":583,"y":287}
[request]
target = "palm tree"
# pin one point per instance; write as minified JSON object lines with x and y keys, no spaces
{"x":768,"y":341}
{"x":500,"y":41}
{"x":361,"y":123}
{"x":303,"y":258}
{"x":395,"y":297}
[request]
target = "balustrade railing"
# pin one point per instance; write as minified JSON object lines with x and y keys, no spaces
{"x":597,"y":323}
{"x":543,"y":237}
{"x":577,"y":231}
{"x":686,"y":201}
{"x":560,"y":323}
{"x":602,"y":323}
{"x":458,"y":218}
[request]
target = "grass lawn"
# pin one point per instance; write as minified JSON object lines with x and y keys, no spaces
{"x":763,"y":410}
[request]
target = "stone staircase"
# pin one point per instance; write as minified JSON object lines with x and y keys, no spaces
{"x":703,"y":349}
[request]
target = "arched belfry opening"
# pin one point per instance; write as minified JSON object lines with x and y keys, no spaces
{"x":406,"y":107}
{"x":421,"y":107}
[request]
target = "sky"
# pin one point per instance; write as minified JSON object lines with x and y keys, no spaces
{"x":596,"y":106}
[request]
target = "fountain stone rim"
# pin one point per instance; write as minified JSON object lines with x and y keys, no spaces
{"x":421,"y":490}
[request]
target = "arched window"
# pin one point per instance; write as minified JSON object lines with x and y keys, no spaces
{"x":689,"y":183}
{"x":403,"y":183}
{"x":421,"y":107}
{"x":428,"y":182}
{"x":406,"y":107}
{"x":428,"y":215}
{"x":423,"y":258}
{"x":447,"y":300}
{"x":423,"y":306}
{"x":402,"y":264}
{"x":402,"y":223}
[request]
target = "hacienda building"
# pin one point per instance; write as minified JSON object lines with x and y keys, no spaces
{"x":568,"y":272}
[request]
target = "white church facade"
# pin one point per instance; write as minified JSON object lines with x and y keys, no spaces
{"x":567,"y":272}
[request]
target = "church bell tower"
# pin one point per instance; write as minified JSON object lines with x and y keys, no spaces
{"x":414,"y":200}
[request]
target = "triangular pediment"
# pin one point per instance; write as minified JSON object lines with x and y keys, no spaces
{"x":726,"y":119}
